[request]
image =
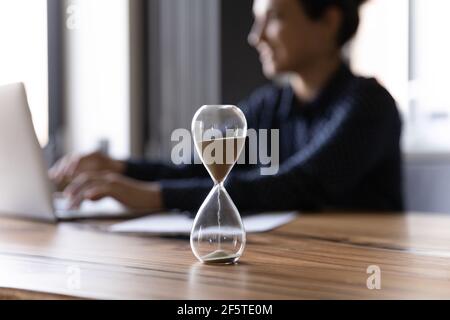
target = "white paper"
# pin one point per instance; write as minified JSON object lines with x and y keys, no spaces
{"x":181,"y":224}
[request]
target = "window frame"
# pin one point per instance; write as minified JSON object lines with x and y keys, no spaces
{"x":55,"y":25}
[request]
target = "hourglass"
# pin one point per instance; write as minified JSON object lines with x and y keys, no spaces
{"x":219,"y":133}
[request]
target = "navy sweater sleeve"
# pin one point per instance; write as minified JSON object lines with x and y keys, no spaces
{"x":155,"y":170}
{"x":358,"y":133}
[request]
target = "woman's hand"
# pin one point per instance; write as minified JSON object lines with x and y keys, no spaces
{"x":131,"y":193}
{"x":69,"y":167}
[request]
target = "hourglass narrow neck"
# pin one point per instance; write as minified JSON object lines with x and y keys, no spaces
{"x":219,"y":184}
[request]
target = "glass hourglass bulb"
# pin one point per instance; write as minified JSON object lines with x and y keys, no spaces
{"x":218,"y":235}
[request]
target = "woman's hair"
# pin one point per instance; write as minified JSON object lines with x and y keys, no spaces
{"x":350,"y":15}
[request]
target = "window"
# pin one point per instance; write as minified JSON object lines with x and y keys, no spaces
{"x":97,"y":66}
{"x":429,"y":100}
{"x":403,"y":44}
{"x":23,"y":57}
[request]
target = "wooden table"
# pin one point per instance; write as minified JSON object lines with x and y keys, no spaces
{"x":318,"y":256}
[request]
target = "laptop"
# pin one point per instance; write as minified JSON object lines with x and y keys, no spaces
{"x":25,"y":188}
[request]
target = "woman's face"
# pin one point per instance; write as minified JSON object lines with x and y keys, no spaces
{"x":287,"y":39}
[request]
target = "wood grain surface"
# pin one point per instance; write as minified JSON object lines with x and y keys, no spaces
{"x":318,"y":256}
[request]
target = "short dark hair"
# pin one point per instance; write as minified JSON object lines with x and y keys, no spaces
{"x":315,"y":9}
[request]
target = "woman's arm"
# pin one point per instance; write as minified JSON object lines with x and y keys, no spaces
{"x":154,"y":171}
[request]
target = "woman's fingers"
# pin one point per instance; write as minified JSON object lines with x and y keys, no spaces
{"x":72,"y":167}
{"x":98,"y":192}
{"x":57,"y":170}
{"x":79,"y":183}
{"x":91,"y":186}
{"x":66,"y":170}
{"x":94,"y":192}
{"x":62,"y":172}
{"x":95,"y":186}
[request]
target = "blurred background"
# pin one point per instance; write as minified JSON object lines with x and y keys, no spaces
{"x":120,"y":75}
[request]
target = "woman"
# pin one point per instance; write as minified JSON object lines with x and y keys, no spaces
{"x":339,"y":133}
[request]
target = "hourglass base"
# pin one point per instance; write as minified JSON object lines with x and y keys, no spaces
{"x":220,"y":257}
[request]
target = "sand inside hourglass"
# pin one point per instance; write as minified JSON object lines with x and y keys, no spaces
{"x":214,"y":155}
{"x":220,"y":256}
{"x":220,"y":155}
